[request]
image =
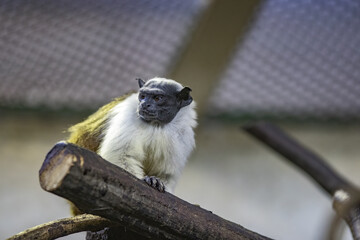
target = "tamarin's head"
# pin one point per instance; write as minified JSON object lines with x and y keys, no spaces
{"x":160,"y":99}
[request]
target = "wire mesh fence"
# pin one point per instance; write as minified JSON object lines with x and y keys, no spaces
{"x":78,"y":54}
{"x":299,"y":58}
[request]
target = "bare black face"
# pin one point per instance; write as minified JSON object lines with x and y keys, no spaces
{"x":160,"y":101}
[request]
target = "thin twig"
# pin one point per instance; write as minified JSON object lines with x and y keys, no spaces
{"x":64,"y":227}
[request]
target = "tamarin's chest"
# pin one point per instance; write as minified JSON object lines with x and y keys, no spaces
{"x":156,"y":144}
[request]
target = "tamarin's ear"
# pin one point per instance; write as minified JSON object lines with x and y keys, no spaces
{"x":140,"y":82}
{"x":184,"y":97}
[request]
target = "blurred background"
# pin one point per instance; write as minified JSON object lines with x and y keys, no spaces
{"x":293,"y":63}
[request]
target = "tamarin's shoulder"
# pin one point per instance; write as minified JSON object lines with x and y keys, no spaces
{"x":87,"y":134}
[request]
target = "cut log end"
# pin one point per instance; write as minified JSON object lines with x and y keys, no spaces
{"x":52,"y":173}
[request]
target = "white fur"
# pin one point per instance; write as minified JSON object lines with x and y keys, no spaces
{"x":129,"y":141}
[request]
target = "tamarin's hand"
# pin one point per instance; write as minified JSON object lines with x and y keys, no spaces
{"x":155,"y":183}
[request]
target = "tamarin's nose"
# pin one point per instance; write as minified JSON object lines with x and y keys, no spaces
{"x":146,"y":105}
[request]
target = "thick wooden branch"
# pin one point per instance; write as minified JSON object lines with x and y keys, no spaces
{"x":63,"y":227}
{"x":101,"y":188}
{"x":346,"y":196}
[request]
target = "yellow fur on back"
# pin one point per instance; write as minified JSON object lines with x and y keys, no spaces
{"x":87,"y":134}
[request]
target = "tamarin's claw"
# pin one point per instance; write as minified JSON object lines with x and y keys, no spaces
{"x":155,"y":183}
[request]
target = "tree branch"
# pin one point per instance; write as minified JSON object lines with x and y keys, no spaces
{"x":346,"y":195}
{"x":63,"y":227}
{"x":101,"y":188}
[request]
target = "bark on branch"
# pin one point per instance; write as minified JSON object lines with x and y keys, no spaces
{"x":101,"y":188}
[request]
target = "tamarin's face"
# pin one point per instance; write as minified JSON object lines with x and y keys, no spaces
{"x":161,"y":100}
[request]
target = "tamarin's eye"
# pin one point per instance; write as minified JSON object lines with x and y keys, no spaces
{"x":157,"y":98}
{"x":142,"y":97}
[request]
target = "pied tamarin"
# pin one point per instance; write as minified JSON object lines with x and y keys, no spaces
{"x":148,"y":133}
